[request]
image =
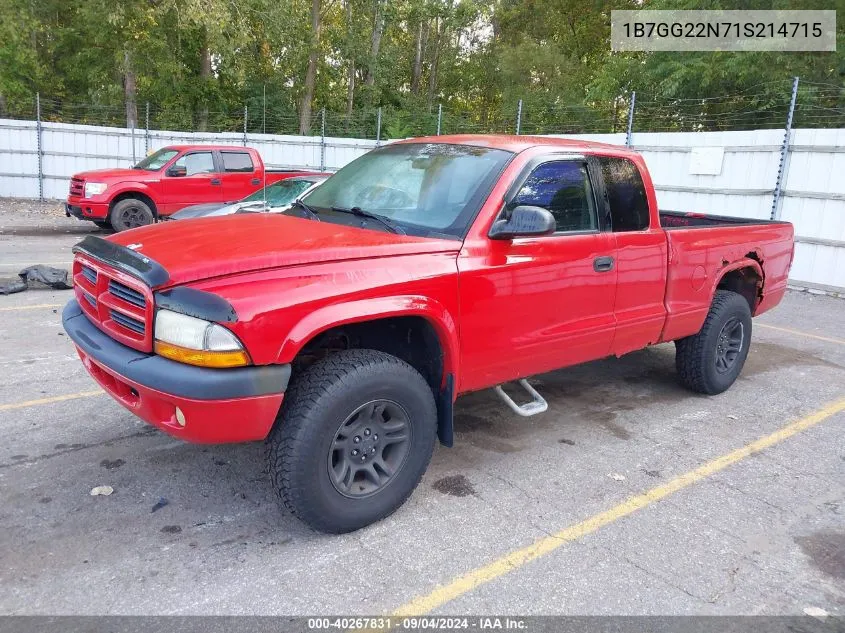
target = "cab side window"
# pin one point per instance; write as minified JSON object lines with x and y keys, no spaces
{"x":196,"y":163}
{"x":563,"y":188}
{"x":237,"y":161}
{"x":626,"y":195}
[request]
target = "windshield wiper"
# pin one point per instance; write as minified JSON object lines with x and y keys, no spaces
{"x":386,"y":222}
{"x":256,"y":204}
{"x":309,"y":210}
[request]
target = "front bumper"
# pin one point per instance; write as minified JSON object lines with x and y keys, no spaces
{"x":218,"y":405}
{"x":85,"y":209}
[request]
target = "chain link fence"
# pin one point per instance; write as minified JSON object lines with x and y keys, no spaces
{"x":818,"y":105}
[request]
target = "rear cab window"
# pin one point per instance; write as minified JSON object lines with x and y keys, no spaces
{"x":625,"y":194}
{"x":237,"y":162}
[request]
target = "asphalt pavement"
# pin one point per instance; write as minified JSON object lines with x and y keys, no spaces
{"x":629,"y":496}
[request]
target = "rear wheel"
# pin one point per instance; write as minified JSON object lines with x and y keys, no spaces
{"x":130,"y":213}
{"x":354,"y":437}
{"x":710,"y":361}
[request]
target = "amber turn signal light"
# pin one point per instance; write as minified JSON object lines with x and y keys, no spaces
{"x":202,"y":358}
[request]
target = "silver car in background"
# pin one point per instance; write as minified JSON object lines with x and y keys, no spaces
{"x":273,"y":198}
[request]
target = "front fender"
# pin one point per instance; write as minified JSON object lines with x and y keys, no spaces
{"x":361,"y":310}
{"x":131,"y":186}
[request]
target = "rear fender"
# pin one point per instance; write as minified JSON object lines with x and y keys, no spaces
{"x":746,"y":262}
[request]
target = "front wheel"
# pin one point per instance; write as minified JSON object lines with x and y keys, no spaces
{"x":710,"y":361}
{"x":130,"y":213}
{"x":354,"y":437}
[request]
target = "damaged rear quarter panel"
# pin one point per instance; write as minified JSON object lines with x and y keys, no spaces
{"x":700,"y":258}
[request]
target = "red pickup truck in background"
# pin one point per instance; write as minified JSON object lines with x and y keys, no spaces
{"x":168,"y":180}
{"x":342,"y":330}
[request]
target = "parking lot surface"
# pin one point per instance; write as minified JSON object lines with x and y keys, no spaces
{"x":197,"y":529}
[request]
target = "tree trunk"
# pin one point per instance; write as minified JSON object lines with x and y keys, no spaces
{"x":129,"y":91}
{"x":375,"y":43}
{"x":435,"y":57}
{"x":311,"y":73}
{"x":205,"y":76}
{"x":416,"y":72}
{"x":3,"y":108}
{"x":350,"y":76}
{"x":350,"y":88}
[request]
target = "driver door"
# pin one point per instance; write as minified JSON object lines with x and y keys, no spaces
{"x":531,"y":305}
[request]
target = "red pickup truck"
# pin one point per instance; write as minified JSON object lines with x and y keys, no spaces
{"x":168,"y":180}
{"x":342,"y":331}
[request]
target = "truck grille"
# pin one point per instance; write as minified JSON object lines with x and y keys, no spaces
{"x":126,"y":321}
{"x":117,"y":303}
{"x":77,"y":187}
{"x":89,"y":273}
{"x":127,"y":294}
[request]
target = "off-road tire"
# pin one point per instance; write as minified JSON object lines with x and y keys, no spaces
{"x":130,"y":213}
{"x":696,"y":356}
{"x":315,"y":405}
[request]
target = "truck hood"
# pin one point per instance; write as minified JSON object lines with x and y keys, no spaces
{"x":116,"y":174}
{"x":212,"y":247}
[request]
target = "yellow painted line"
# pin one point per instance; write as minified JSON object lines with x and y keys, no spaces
{"x":34,"y":403}
{"x":800,"y":333}
{"x":36,"y":306}
{"x":516,"y":559}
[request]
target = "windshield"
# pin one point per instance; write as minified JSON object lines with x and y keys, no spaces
{"x":157,"y":160}
{"x":425,"y":188}
{"x":280,"y":194}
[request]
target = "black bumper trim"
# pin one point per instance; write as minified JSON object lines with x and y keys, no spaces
{"x":74,"y":211}
{"x":167,"y":376}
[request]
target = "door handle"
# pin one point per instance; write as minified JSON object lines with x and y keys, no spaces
{"x":256,"y":181}
{"x":603,"y":264}
{"x":216,"y":181}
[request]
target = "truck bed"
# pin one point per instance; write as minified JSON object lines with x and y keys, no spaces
{"x":703,"y":248}
{"x":688,"y":220}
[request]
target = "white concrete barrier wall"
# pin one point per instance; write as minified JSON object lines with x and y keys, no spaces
{"x":742,"y":186}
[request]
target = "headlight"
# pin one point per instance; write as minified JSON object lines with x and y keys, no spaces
{"x":196,"y":341}
{"x":94,"y":189}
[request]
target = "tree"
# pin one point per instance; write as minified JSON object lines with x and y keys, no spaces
{"x":311,"y":72}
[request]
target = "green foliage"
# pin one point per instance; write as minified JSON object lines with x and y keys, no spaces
{"x":198,"y":63}
{"x":398,"y":128}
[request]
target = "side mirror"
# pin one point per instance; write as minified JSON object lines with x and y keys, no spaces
{"x":523,"y":221}
{"x":177,"y":171}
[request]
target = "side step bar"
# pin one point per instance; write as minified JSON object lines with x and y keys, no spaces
{"x":537,"y":405}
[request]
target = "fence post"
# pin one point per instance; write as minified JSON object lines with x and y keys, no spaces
{"x":245,"y":115}
{"x":518,"y":117}
{"x":39,"y":146}
{"x":323,"y":139}
{"x":378,"y":127}
{"x":264,"y":109}
{"x":784,"y":154}
{"x":439,"y":117}
{"x":630,"y":133}
{"x":147,"y":129}
{"x":132,"y":140}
